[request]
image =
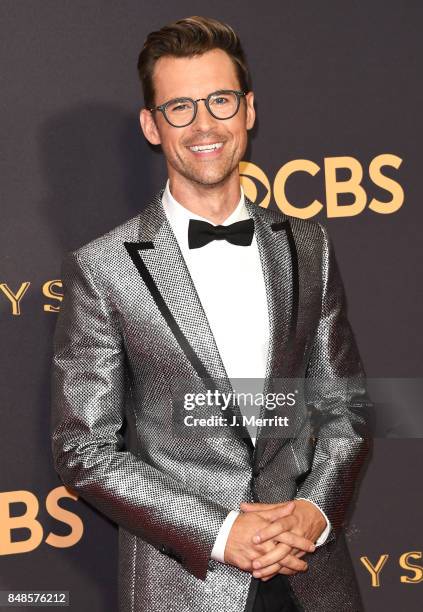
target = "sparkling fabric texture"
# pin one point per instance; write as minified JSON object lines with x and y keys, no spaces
{"x":115,"y":360}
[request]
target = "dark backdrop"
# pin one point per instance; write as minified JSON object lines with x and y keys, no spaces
{"x":332,"y":80}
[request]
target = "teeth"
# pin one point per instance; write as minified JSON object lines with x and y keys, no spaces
{"x":210,"y":147}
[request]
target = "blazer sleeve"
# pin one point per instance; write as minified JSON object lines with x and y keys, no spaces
{"x":88,"y":394}
{"x":337,"y":400}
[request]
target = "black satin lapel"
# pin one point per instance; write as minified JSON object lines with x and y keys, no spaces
{"x":285,"y":226}
{"x":134,"y":249}
{"x":279,"y":261}
{"x":162,"y":266}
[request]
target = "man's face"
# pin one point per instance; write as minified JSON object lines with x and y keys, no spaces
{"x":196,"y":77}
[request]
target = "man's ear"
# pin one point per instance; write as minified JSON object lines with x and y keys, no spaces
{"x":251,"y":113}
{"x":149,"y":127}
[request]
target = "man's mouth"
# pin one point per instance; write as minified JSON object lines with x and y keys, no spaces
{"x":206,"y":148}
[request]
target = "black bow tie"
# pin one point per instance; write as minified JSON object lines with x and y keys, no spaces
{"x":201,"y":233}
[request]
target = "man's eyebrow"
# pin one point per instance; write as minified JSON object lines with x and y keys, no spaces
{"x":181,"y":97}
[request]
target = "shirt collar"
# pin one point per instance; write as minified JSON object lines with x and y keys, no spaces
{"x":179,"y":216}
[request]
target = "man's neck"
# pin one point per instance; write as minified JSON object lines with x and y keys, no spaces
{"x":213,"y":202}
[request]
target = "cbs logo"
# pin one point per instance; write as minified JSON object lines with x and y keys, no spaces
{"x":250,"y":174}
{"x":49,"y":290}
{"x":28,"y":520}
{"x":405,"y":562}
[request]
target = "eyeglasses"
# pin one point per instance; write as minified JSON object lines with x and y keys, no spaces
{"x":221,"y":104}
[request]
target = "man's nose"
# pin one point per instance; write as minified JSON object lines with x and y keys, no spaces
{"x":204,"y":119}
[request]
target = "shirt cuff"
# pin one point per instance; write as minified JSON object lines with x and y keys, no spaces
{"x":218,"y":552}
{"x":324,"y":535}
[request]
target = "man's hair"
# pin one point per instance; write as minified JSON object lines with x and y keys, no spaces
{"x":186,"y":38}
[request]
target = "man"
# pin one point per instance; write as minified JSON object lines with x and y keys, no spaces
{"x":204,"y":285}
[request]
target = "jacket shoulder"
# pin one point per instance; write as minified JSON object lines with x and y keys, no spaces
{"x":108,"y":247}
{"x":301,"y":228}
{"x":126,"y":231}
{"x":102,"y":256}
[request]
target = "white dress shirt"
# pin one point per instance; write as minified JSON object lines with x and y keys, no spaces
{"x":223,"y":269}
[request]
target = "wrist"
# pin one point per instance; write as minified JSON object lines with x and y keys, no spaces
{"x":313,"y":516}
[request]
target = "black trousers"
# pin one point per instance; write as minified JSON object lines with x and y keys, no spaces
{"x":274,"y":595}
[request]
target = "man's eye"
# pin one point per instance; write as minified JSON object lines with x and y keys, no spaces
{"x":220,"y":100}
{"x":179,"y":107}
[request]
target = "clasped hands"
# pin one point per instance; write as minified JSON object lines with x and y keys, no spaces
{"x":270,"y":539}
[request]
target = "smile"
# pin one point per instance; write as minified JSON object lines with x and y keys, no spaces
{"x":207,"y":147}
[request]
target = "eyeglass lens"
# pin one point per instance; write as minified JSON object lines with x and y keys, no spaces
{"x":222,"y":106}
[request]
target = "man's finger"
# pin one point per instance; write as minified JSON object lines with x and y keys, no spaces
{"x":284,"y":570}
{"x":298,"y":553}
{"x":282,"y":555}
{"x":273,"y":556}
{"x":274,"y":529}
{"x":287,"y":572}
{"x":297,"y":542}
{"x":290,"y":562}
{"x":293,"y":563}
{"x":267,"y":572}
{"x":278,"y":511}
{"x":265,"y":578}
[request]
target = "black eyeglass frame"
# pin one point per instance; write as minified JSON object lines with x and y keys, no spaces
{"x":162,"y":107}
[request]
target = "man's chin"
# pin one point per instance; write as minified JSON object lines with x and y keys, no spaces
{"x":209,"y":179}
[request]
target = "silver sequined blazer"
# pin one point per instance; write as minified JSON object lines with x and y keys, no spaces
{"x":130,"y":325}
